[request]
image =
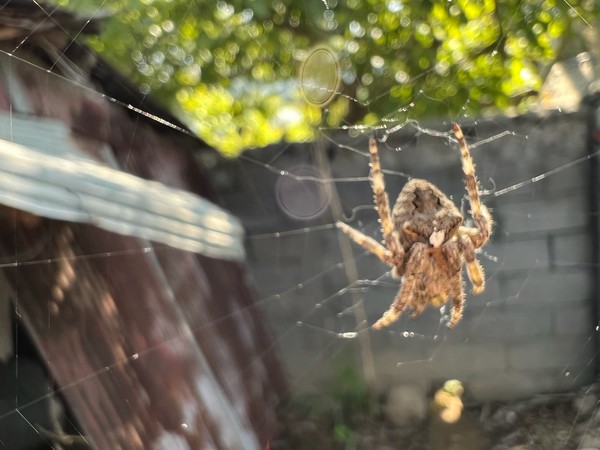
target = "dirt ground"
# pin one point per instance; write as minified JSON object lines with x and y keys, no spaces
{"x":567,"y":421}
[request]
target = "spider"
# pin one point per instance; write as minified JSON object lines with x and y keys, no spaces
{"x":425,"y":241}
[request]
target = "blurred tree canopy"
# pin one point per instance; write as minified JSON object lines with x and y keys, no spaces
{"x":247,"y":73}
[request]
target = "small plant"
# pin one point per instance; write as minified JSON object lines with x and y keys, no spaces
{"x":349,"y":391}
{"x":344,"y":402}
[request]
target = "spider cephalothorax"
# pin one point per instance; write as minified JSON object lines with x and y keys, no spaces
{"x":425,"y":241}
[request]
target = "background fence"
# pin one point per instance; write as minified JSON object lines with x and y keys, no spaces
{"x":533,"y":330}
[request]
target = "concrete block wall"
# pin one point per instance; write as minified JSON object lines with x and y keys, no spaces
{"x":533,"y":330}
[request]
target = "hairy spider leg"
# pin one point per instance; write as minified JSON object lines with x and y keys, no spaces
{"x":404,"y":298}
{"x":458,"y":300}
{"x":452,"y":251}
{"x":480,"y":213}
{"x":382,"y":204}
{"x":393,"y":255}
{"x":367,"y":242}
{"x":474,"y":269}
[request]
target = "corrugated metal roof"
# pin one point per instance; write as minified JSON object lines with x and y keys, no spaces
{"x":43,"y":173}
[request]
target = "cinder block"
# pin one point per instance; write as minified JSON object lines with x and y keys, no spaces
{"x":550,"y":352}
{"x":471,"y":357}
{"x":269,"y":280}
{"x":572,"y":250}
{"x":495,"y":386}
{"x":520,"y":255}
{"x":545,"y":287}
{"x":264,"y":250}
{"x":574,"y":319}
{"x":545,"y":212}
{"x":509,"y":324}
{"x":402,"y":351}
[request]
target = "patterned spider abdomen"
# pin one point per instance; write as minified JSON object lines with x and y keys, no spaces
{"x":422,"y":210}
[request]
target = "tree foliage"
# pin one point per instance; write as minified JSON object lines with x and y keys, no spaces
{"x":235,"y":69}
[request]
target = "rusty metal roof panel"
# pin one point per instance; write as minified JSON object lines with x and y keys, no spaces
{"x":44,"y":174}
{"x":152,"y":347}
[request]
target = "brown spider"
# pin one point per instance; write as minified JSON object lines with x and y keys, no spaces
{"x":425,"y":241}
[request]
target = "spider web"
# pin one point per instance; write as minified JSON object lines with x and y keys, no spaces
{"x":534,"y":329}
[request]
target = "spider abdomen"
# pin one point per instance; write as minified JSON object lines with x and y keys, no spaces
{"x":422,"y":209}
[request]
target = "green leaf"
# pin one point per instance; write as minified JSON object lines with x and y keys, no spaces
{"x":232,"y":69}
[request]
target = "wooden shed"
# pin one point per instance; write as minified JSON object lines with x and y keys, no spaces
{"x":129,"y":280}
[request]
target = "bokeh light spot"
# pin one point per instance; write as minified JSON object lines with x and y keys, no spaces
{"x":320,"y":76}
